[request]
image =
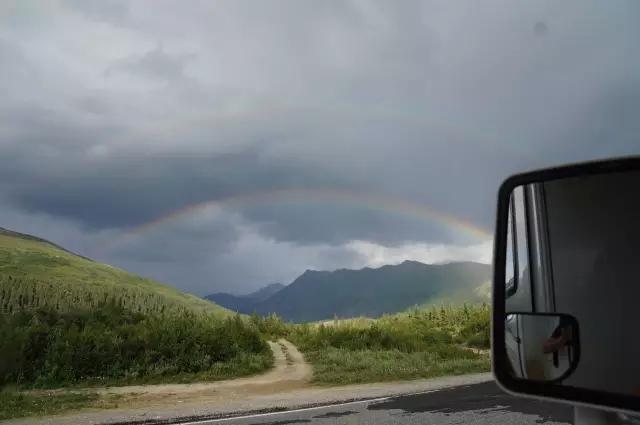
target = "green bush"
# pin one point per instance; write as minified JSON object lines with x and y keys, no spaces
{"x":271,"y":326}
{"x":416,"y":344}
{"x":475,"y":331}
{"x":418,"y":330}
{"x":46,"y":348}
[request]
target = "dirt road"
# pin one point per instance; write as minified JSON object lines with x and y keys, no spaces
{"x":290,"y":371}
{"x":286,"y":386}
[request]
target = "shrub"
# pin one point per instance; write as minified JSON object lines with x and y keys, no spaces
{"x":419,"y":330}
{"x":47,"y":348}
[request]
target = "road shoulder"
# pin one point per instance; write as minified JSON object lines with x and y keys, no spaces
{"x":235,"y":403}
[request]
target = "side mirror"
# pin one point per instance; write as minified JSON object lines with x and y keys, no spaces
{"x":566,"y":284}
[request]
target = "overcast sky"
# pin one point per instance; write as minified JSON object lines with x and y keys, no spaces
{"x":308,"y":134}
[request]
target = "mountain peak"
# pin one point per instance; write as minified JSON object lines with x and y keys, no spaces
{"x":405,"y":262}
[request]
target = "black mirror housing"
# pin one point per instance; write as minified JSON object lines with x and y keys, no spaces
{"x":561,"y":388}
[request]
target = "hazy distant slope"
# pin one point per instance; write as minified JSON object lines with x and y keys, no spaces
{"x":35,"y":272}
{"x":244,"y":303}
{"x":318,"y":295}
{"x":266,"y":292}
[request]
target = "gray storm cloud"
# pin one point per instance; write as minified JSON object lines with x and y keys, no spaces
{"x":112,"y":117}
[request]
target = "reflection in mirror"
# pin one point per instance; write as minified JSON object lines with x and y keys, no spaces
{"x":574,"y":249}
{"x":541,"y":347}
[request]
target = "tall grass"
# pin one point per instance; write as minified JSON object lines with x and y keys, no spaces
{"x":24,"y":293}
{"x":342,"y":366}
{"x":417,"y":344}
{"x":16,"y":404}
{"x":37,"y":274}
{"x":415,"y":330}
{"x":109,"y":344}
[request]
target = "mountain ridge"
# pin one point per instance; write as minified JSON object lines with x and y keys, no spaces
{"x":320,"y":294}
{"x":243,"y":303}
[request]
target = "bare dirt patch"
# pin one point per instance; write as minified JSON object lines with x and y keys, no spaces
{"x":290,"y":372}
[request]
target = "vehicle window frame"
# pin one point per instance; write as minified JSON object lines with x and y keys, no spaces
{"x":518,"y":235}
{"x":511,"y":286}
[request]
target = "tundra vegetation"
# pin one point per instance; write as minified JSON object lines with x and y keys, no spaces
{"x":43,"y":349}
{"x":419,"y":343}
{"x":73,"y":323}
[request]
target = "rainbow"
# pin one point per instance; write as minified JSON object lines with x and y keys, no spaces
{"x":323,"y":196}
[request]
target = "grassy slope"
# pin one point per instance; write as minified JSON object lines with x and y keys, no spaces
{"x":34,"y":269}
{"x":479,"y":294}
{"x":421,"y":343}
{"x":59,"y":273}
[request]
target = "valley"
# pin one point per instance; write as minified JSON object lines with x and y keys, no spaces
{"x":370,"y":292}
{"x":71,"y":327}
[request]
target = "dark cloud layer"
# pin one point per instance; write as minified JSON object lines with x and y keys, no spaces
{"x":129,"y":191}
{"x":112,"y":117}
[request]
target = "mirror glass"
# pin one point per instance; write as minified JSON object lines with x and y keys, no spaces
{"x":573,"y":265}
{"x":541,"y":347}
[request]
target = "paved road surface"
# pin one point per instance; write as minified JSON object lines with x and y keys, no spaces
{"x":204,"y":400}
{"x":473,"y":404}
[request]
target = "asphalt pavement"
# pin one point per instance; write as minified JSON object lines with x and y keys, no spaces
{"x":478,"y":404}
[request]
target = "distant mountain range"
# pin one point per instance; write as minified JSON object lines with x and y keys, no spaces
{"x":35,"y":272}
{"x":245,"y":303}
{"x":320,"y":295}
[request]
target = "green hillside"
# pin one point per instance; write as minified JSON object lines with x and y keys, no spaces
{"x":37,"y":273}
{"x":473,"y":295}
